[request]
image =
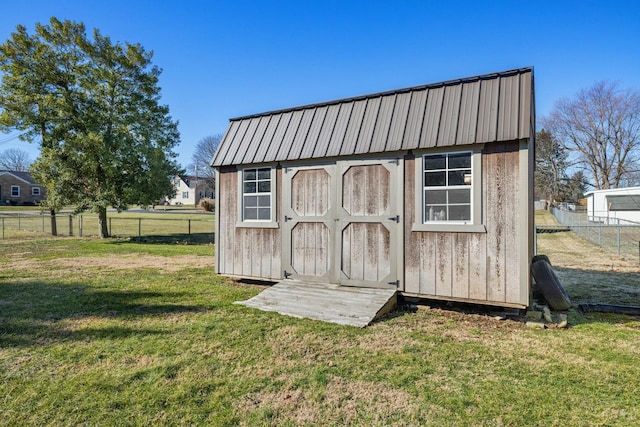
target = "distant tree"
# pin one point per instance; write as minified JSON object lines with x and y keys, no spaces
{"x":95,"y":108}
{"x":602,"y":125}
{"x":15,"y":159}
{"x":202,"y":157}
{"x":573,"y":188}
{"x":551,"y":166}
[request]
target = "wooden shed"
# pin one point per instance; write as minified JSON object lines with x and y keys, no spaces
{"x":427,"y":190}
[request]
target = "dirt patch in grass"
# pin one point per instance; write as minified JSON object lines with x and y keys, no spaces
{"x":114,"y":262}
{"x":340,"y":401}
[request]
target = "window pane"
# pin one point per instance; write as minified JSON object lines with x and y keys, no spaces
{"x":436,"y":213}
{"x":264,"y":186}
{"x":460,"y":213}
{"x":250,"y":213}
{"x":457,"y":177}
{"x":437,"y":197}
{"x":432,"y":179}
{"x":249,"y":187}
{"x":264,"y":173}
{"x":460,"y":161}
{"x":264,"y":201}
{"x":459,"y":196}
{"x":250,"y":201}
{"x":249,"y":174}
{"x":264,"y":214}
{"x":435,"y":162}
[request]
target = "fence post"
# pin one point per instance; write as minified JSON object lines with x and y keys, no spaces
{"x":70,"y":225}
{"x":80,"y":226}
{"x":110,"y":232}
{"x":42,"y":215}
{"x":618,"y":237}
{"x":3,"y":231}
{"x":139,"y":229}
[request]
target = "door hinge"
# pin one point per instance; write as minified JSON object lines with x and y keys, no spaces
{"x":395,"y":283}
{"x":396,"y":161}
{"x":287,"y":218}
{"x":287,"y":274}
{"x":395,"y":218}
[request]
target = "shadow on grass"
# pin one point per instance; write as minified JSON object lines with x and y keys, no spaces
{"x":600,"y":287}
{"x":181,"y":239}
{"x":30,"y":312}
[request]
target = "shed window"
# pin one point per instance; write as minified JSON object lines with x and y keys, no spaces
{"x":257,"y":194}
{"x":15,"y":191}
{"x":447,"y":188}
{"x":35,"y":191}
{"x":185,"y":194}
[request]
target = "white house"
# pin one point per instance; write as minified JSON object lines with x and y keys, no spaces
{"x":190,"y":190}
{"x":613,"y":205}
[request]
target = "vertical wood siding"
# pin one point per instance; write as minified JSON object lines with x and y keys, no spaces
{"x":250,"y":252}
{"x":471,"y":266}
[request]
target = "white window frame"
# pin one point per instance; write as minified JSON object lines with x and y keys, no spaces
{"x":257,"y":223}
{"x":35,"y":191}
{"x":14,"y":187}
{"x":185,"y":194}
{"x":474,"y":225}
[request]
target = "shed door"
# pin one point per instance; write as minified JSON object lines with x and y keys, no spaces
{"x":309,"y":222}
{"x":369,"y":224}
{"x":342,"y":222}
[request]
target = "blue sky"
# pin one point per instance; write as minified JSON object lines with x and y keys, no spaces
{"x":227,"y":59}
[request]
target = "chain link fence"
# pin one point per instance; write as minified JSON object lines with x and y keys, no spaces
{"x":620,"y":236}
{"x":143,"y":229}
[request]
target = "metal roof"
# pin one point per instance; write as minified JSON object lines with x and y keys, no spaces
{"x":481,"y":109}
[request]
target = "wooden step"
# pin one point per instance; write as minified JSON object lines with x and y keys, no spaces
{"x":344,"y":305}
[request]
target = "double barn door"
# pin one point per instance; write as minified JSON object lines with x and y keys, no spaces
{"x":342,"y":222}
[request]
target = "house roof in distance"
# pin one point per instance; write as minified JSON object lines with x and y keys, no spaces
{"x":480,"y":109}
{"x":23,"y":176}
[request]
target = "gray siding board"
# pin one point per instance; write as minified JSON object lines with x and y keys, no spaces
{"x":246,"y":141}
{"x":449,"y":117}
{"x":337,"y":137}
{"x":432,"y":116}
{"x":326,"y":131}
{"x":314,"y":133}
{"x":353,"y":128}
{"x":278,"y":136}
{"x":468,"y":118}
{"x":303,"y":133}
{"x":289,"y":136}
{"x":381,"y":132}
{"x":235,"y":145}
{"x":488,"y":111}
{"x":369,"y":123}
{"x":476,"y":110}
{"x":252,"y":149}
{"x":411,"y":137}
{"x":525,"y":119}
{"x":398,"y":122}
{"x":508,"y":108}
{"x":225,"y":144}
{"x":269,"y":133}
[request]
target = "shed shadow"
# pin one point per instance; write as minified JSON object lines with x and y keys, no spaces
{"x":32,"y":313}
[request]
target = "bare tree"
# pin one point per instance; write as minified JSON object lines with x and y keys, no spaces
{"x":15,"y":159}
{"x":602,"y":126}
{"x":202,"y":157}
{"x":551,"y":166}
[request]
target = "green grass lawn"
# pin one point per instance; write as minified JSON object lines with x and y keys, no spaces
{"x":120,"y":333}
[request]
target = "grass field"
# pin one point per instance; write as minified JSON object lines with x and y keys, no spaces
{"x":118,"y":333}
